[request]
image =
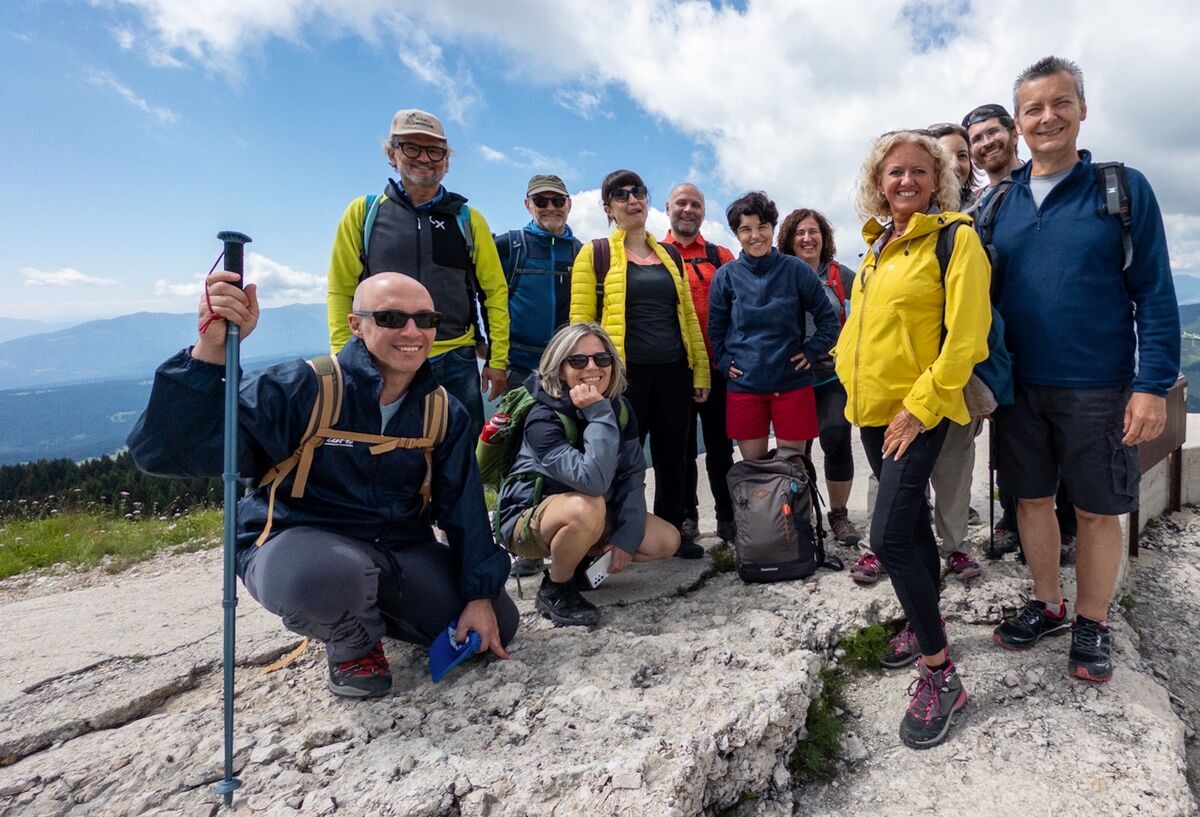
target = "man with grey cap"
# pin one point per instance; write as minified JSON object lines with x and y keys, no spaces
{"x":537,"y":268}
{"x":422,"y":230}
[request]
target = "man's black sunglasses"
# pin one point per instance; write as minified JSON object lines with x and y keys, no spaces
{"x":395,"y":319}
{"x":542,"y":201}
{"x":601,"y":359}
{"x":623,"y":193}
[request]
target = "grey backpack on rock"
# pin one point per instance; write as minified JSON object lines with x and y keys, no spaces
{"x":776,"y":509}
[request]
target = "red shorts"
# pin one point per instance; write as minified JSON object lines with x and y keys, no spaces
{"x":793,"y":413}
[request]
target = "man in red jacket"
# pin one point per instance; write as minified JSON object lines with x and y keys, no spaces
{"x":685,"y":208}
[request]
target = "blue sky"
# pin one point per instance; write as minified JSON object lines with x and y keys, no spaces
{"x":136,"y":129}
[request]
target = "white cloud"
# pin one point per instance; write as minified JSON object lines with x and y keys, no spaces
{"x":529,"y":159}
{"x":103,"y":79}
{"x":492,"y":155}
{"x":588,"y":221}
{"x":780,"y":95}
{"x":64,"y":277}
{"x":278,"y":284}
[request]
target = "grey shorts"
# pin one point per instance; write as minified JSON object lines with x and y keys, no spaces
{"x":1074,"y":435}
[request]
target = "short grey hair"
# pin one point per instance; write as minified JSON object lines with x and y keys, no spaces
{"x":1048,"y":67}
{"x":562,"y":345}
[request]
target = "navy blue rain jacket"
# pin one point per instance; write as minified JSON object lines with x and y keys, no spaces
{"x":350,"y":491}
{"x":756,"y":319}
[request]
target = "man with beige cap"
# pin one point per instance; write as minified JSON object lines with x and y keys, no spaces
{"x":422,"y":230}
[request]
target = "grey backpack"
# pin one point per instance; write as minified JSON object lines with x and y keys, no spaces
{"x":776,"y":508}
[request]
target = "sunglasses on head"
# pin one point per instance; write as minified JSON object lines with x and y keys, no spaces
{"x":985,"y":112}
{"x":543,"y":201}
{"x":623,"y":193}
{"x":601,"y":359}
{"x":395,"y":319}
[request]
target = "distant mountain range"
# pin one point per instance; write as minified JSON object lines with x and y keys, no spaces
{"x":132,"y":346}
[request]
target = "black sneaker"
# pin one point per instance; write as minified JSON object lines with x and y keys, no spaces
{"x":1091,"y":650}
{"x":688,"y":549}
{"x":1021,"y":631}
{"x":526,"y":567}
{"x":935,"y":697}
{"x":364,"y":677}
{"x":562,"y":604}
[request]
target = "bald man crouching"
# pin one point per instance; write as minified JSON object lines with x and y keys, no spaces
{"x":353,"y":558}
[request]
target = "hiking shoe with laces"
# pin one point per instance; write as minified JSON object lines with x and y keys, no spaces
{"x":935,"y":697}
{"x":903,"y":649}
{"x":962,"y":566}
{"x":1066,"y":553}
{"x":562,"y":604}
{"x":1004,"y":541}
{"x":1022,"y":631}
{"x":867,"y":569}
{"x":526,"y":567}
{"x":1090,"y":658}
{"x":365,"y":677}
{"x":843,"y":529}
{"x":726,"y":530}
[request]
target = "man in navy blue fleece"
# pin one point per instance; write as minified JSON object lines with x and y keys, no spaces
{"x":1078,"y":315}
{"x":353,"y":558}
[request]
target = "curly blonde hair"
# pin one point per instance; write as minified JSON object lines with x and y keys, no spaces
{"x":870,"y":201}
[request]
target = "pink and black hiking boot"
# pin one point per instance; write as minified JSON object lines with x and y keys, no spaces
{"x":960,"y":565}
{"x":367,"y":676}
{"x":903,"y":649}
{"x":936,"y":695}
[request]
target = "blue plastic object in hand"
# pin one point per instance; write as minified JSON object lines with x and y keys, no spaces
{"x":445,"y":653}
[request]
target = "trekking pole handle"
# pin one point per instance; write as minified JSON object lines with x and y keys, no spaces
{"x":234,"y":243}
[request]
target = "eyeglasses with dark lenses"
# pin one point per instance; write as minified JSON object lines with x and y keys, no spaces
{"x":412,"y":150}
{"x":395,"y":319}
{"x":601,"y":359}
{"x":623,"y":193}
{"x":542,"y":201}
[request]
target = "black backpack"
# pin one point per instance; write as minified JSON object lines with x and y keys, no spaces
{"x":777,"y":511}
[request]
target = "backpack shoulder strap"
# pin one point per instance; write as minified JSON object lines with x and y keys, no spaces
{"x":945,"y":246}
{"x":373,"y":203}
{"x":570,"y":427}
{"x":513,"y":255}
{"x":601,"y":261}
{"x":464,"y":226}
{"x":325,"y":411}
{"x":436,"y":411}
{"x":676,"y":256}
{"x":713,"y":253}
{"x":1114,"y":186}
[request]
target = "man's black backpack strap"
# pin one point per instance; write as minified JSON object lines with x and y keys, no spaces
{"x":513,"y":255}
{"x":1114,"y":185}
{"x":823,"y":559}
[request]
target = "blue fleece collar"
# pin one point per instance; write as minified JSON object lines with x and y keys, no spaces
{"x":532,"y":227}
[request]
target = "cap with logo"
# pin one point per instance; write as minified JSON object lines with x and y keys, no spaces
{"x":412,"y":121}
{"x":546,"y":184}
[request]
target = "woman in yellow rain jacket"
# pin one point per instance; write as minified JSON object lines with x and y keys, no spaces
{"x":904,"y":356}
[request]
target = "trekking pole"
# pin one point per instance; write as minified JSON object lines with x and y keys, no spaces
{"x":991,"y":486}
{"x":233,"y":263}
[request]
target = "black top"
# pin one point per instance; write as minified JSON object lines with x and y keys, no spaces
{"x":652,"y":332}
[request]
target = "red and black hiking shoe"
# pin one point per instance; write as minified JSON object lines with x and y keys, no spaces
{"x":936,"y":695}
{"x":1090,"y":658}
{"x":367,"y":676}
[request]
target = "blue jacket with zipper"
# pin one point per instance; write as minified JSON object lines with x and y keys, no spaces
{"x":537,"y":267}
{"x":1069,"y":310}
{"x":350,"y":491}
{"x":756,"y":318}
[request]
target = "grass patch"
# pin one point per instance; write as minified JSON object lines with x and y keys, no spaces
{"x":1126,"y":603}
{"x":85,"y":540}
{"x":723,"y":558}
{"x":816,"y":756}
{"x":866,"y":648}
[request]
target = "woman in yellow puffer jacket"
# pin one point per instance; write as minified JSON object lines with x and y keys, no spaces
{"x":904,"y":356}
{"x":646,"y":308}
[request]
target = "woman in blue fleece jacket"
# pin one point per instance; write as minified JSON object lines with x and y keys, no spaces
{"x":756,"y":324}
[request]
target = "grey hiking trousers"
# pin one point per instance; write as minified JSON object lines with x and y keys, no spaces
{"x":349,"y":593}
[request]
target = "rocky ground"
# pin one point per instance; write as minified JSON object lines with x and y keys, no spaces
{"x":687,"y":700}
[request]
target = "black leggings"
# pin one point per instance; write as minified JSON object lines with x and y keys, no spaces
{"x":835,"y":432}
{"x":901,"y":533}
{"x":346,"y":592}
{"x":661,"y":395}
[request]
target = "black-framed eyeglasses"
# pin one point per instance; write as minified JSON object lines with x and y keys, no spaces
{"x":396,"y":319}
{"x":623,"y":193}
{"x":601,"y":359}
{"x":543,"y":201}
{"x":412,"y":150}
